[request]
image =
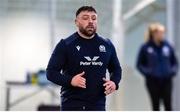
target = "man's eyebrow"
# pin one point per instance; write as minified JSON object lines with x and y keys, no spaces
{"x":85,"y":15}
{"x":88,"y":15}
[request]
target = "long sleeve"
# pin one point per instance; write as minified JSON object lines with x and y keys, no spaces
{"x":174,"y":63}
{"x":142,"y":63}
{"x":114,"y":67}
{"x":56,"y":64}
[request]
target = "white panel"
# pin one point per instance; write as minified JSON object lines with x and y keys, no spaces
{"x":2,"y":94}
{"x":26,"y":46}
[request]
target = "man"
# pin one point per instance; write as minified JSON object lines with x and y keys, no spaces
{"x":79,"y":64}
{"x":158,"y":63}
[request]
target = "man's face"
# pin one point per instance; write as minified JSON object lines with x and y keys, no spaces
{"x":86,"y":21}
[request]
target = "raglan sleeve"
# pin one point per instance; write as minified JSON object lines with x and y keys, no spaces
{"x":114,"y":67}
{"x":56,"y":63}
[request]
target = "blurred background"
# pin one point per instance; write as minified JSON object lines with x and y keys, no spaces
{"x":30,"y":29}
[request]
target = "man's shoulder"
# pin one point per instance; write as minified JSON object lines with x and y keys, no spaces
{"x":66,"y":41}
{"x":104,"y":40}
{"x":70,"y":39}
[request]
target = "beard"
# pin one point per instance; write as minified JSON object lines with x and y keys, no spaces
{"x":88,"y":31}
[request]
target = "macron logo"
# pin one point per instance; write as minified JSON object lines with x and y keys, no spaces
{"x":92,"y":61}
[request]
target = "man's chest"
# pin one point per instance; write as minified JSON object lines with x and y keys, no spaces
{"x":86,"y":55}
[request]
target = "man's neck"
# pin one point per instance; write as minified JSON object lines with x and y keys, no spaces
{"x":84,"y":36}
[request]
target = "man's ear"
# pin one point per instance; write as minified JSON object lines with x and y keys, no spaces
{"x":76,"y":22}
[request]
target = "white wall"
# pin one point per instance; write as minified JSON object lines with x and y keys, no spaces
{"x":24,"y":46}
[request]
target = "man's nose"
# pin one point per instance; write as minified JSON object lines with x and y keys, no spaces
{"x":90,"y":21}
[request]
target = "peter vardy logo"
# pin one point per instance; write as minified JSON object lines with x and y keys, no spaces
{"x":92,"y":61}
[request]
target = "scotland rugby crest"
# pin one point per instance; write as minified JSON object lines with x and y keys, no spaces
{"x":102,"y":48}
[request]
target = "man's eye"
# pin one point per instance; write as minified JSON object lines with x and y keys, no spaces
{"x":85,"y":18}
{"x":93,"y":18}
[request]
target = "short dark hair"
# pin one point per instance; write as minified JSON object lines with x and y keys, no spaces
{"x":85,"y":8}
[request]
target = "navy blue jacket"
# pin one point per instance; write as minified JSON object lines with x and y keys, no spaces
{"x":157,"y":61}
{"x":93,"y":56}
